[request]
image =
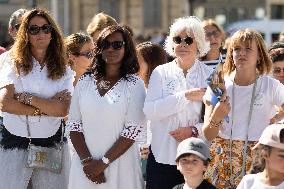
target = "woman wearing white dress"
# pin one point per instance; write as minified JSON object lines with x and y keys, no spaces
{"x":174,"y":99}
{"x":106,"y":117}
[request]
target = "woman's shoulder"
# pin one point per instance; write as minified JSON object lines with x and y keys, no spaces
{"x":133,"y":80}
{"x":88,"y":76}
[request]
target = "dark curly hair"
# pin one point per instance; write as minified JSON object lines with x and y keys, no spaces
{"x":276,"y":51}
{"x":129,"y":62}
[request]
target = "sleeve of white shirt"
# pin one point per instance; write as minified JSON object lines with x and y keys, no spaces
{"x":74,"y":122}
{"x":135,"y":120}
{"x":7,"y":74}
{"x":277,"y":92}
{"x":156,"y":106}
{"x":68,"y":80}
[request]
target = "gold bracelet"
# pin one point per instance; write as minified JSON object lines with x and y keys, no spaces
{"x":36,"y":112}
{"x":214,"y":124}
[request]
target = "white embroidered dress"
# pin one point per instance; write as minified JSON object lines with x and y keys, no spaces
{"x":103,"y":119}
{"x":167,"y":107}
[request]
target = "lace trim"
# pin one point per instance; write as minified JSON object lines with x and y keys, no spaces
{"x":74,"y":126}
{"x":131,"y":130}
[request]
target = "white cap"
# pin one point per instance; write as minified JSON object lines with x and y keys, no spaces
{"x":271,"y":136}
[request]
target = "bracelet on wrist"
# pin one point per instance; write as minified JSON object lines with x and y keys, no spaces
{"x":86,"y":160}
{"x":214,"y":124}
{"x":36,"y":112}
{"x":194,"y":131}
{"x":30,"y":98}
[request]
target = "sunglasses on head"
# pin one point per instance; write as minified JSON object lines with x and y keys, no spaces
{"x":17,"y":26}
{"x":278,"y":70}
{"x":116,"y":45}
{"x":88,"y":54}
{"x":35,"y":29}
{"x":179,"y":40}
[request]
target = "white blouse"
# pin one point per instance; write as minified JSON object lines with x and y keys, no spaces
{"x":167,"y":107}
{"x":37,"y":83}
{"x":269,"y":92}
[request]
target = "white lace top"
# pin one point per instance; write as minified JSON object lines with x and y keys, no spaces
{"x":167,"y":108}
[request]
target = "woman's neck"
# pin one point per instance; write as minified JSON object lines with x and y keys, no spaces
{"x":185,"y":64}
{"x":78,"y":72}
{"x":213,"y":55}
{"x":244,"y":79}
{"x":112,"y":72}
{"x":271,"y":177}
{"x":39,"y":54}
{"x":193,"y":182}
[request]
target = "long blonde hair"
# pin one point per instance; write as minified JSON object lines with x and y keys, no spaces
{"x":55,"y":58}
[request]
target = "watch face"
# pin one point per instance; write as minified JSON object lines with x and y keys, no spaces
{"x":105,"y":160}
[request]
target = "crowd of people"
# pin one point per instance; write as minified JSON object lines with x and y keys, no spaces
{"x":100,"y":110}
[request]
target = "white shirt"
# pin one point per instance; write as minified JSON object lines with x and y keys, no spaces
{"x":167,"y":107}
{"x":37,"y":83}
{"x":269,"y":92}
{"x":252,"y":181}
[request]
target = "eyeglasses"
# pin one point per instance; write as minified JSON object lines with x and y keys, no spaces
{"x":88,"y":54}
{"x":116,"y":45}
{"x":17,"y":26}
{"x":215,"y":34}
{"x":277,"y":70}
{"x":35,"y":29}
{"x":179,"y":40}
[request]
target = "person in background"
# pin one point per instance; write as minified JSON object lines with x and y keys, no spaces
{"x":215,"y":35}
{"x":149,"y":56}
{"x":193,"y":156}
{"x":98,"y":23}
{"x":271,"y":146}
{"x":80,"y":53}
{"x":250,"y":95}
{"x":276,"y":53}
{"x":106,"y":117}
{"x":2,"y":50}
{"x":174,"y":99}
{"x":36,"y":85}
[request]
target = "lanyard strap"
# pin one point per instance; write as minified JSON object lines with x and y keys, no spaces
{"x":247,"y":130}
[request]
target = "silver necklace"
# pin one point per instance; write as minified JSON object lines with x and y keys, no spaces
{"x":103,"y":84}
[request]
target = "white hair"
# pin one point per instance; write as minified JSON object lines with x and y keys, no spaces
{"x":191,"y":25}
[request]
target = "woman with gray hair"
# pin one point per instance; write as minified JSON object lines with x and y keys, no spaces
{"x":174,"y":99}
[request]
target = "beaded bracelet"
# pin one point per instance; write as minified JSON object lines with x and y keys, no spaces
{"x":86,"y":160}
{"x":214,"y":124}
{"x":36,"y":112}
{"x":29,"y":102}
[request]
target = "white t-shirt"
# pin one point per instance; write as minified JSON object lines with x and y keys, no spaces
{"x":167,"y":107}
{"x":252,"y":181}
{"x":269,"y":92}
{"x":36,"y":83}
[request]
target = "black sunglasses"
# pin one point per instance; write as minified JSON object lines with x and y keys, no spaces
{"x":179,"y":40}
{"x":17,"y":26}
{"x":116,"y":45}
{"x":35,"y":29}
{"x":88,"y":54}
{"x":215,"y":34}
{"x":278,"y":70}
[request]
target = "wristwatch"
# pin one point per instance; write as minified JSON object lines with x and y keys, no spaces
{"x":105,"y":160}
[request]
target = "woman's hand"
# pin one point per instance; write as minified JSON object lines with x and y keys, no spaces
{"x":94,"y":168}
{"x":195,"y":94}
{"x":181,"y":133}
{"x":221,"y":109}
{"x":64,"y":95}
{"x":144,"y":152}
{"x":277,"y":117}
{"x":98,"y":179}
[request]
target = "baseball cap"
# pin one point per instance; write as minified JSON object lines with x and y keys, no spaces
{"x":271,"y":136}
{"x":194,"y":146}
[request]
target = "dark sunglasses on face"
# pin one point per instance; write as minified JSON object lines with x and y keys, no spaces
{"x":278,"y":70}
{"x":116,"y":45}
{"x":215,"y":34}
{"x":35,"y":29}
{"x":17,"y":26}
{"x":179,"y":40}
{"x":88,"y":54}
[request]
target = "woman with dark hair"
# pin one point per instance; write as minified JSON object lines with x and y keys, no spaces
{"x":35,"y":94}
{"x":106,"y":117}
